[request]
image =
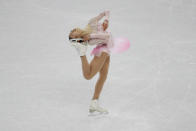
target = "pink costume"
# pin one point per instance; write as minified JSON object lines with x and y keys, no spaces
{"x":99,"y":37}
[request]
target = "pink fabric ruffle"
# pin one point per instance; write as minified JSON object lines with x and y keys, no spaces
{"x":100,"y":48}
{"x":106,"y":47}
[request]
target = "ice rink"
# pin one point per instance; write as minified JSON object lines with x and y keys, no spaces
{"x":151,"y":87}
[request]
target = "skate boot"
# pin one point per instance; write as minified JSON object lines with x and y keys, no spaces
{"x":80,"y":47}
{"x":94,"y":107}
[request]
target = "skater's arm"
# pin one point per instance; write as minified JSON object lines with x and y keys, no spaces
{"x":98,"y":38}
{"x":104,"y":36}
{"x":97,"y":18}
{"x":107,"y":15}
{"x":97,"y":41}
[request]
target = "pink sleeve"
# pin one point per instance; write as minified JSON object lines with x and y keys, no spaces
{"x":97,"y":18}
{"x":99,"y":36}
{"x":107,"y":15}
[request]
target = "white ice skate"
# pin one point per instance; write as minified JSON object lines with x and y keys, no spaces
{"x":95,"y":108}
{"x":80,"y":46}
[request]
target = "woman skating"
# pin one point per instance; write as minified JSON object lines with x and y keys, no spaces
{"x":94,"y":34}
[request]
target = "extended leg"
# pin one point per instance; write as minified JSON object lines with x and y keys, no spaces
{"x":102,"y":79}
{"x":94,"y":105}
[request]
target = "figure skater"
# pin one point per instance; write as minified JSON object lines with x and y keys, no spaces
{"x":94,"y":34}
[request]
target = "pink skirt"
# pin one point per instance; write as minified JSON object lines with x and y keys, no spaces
{"x":103,"y":47}
{"x":99,"y":49}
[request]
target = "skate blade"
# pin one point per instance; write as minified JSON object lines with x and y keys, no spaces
{"x":96,"y":113}
{"x":91,"y":110}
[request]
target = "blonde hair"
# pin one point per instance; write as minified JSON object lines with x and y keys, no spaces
{"x":81,"y":32}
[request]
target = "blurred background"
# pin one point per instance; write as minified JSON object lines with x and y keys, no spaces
{"x":150,"y":87}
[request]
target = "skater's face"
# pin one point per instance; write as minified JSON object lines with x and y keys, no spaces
{"x":105,"y":24}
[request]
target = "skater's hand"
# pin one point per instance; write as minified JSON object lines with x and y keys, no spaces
{"x":107,"y":15}
{"x":107,"y":12}
{"x":105,"y":24}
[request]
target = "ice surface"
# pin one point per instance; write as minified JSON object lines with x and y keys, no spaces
{"x":151,"y":87}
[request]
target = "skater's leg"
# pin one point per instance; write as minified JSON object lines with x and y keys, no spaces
{"x":89,"y":70}
{"x":102,"y":78}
